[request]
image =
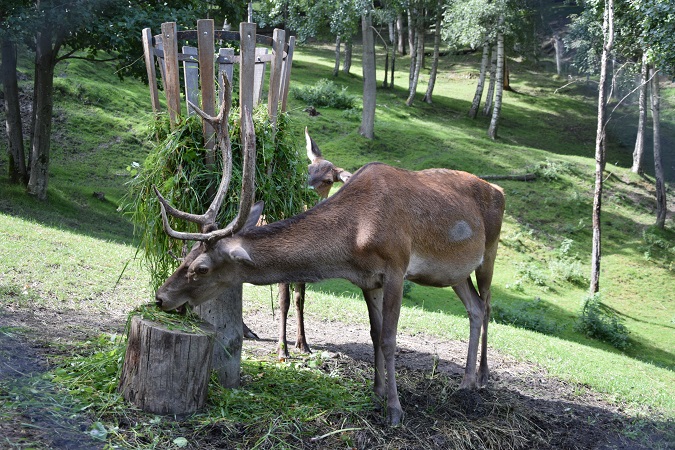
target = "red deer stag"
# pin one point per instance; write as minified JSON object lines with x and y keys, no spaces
{"x":434,"y":227}
{"x":322,"y":175}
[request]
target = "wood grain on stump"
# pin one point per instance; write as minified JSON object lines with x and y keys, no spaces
{"x":166,"y":371}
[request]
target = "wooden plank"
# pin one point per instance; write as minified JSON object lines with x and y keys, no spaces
{"x":275,"y":75}
{"x":247,"y":66}
{"x":259,"y":74}
{"x":207,"y":80}
{"x":172,"y":83}
{"x":286,"y":74}
{"x":226,"y":60}
{"x":191,"y":77}
{"x":150,"y":68}
{"x":191,"y":35}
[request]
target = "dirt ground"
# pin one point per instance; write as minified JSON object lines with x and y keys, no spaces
{"x":558,"y":415}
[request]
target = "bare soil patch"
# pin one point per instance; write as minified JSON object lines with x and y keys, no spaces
{"x":523,"y":407}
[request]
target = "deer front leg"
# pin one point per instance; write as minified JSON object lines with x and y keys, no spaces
{"x":475,"y":308}
{"x":284,"y":305}
{"x":374,"y":302}
{"x":300,"y":341}
{"x":391,"y":309}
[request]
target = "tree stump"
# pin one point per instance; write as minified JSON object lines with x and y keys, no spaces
{"x":166,"y":371}
{"x":224,"y":314}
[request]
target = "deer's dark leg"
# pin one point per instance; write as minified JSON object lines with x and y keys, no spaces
{"x":284,"y":305}
{"x":374,"y":302}
{"x":391,"y":309}
{"x":484,"y":281}
{"x":475,"y":307}
{"x":248,"y":333}
{"x":300,"y":341}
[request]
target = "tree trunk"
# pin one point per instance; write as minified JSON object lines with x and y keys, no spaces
{"x":225,"y":315}
{"x":661,"y":206}
{"x":411,"y":31}
{"x":642,"y":118}
{"x":596,"y":254}
{"x":481,"y":81}
{"x":166,"y":371}
{"x":367,"y":128}
{"x":437,"y":46}
{"x":346,"y":67}
{"x":489,"y":98}
{"x":45,"y":60}
{"x":559,"y":50}
{"x":336,"y":68}
{"x":17,"y":157}
{"x":507,"y":73}
{"x":419,"y":59}
{"x":393,"y":57}
{"x":401,"y":35}
{"x":499,"y":82}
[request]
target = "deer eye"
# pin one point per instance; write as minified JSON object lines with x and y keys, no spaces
{"x":202,"y":270}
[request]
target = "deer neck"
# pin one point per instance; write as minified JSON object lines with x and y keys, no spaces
{"x":287,"y":251}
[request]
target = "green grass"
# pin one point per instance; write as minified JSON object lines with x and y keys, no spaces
{"x":77,"y":252}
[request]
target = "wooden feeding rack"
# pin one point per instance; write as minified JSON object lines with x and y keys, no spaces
{"x":256,"y":52}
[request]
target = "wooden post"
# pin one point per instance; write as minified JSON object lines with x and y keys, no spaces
{"x":172,"y":83}
{"x":246,"y":66}
{"x":275,"y":75}
{"x":205,"y":43}
{"x":286,"y":73}
{"x":166,"y":371}
{"x":190,"y":76}
{"x":225,"y":315}
{"x":149,"y":55}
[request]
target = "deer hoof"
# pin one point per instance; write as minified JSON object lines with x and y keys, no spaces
{"x":394,"y":416}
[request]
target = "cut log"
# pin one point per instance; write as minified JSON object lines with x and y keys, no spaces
{"x":166,"y":371}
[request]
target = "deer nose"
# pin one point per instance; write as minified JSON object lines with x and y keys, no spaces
{"x":158,"y":300}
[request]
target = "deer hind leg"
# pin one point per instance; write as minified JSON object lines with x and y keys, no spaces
{"x":284,"y":305}
{"x":484,"y":281}
{"x":374,"y":302}
{"x":475,"y":307}
{"x":301,"y":340}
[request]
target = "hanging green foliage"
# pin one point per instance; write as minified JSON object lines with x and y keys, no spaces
{"x":177,"y":166}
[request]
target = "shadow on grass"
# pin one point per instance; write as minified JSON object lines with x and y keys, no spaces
{"x":71,"y":211}
{"x":511,"y":308}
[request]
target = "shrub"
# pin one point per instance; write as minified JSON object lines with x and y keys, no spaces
{"x":325,"y":93}
{"x":598,"y":321}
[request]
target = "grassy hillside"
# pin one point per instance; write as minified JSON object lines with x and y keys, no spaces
{"x":70,"y":251}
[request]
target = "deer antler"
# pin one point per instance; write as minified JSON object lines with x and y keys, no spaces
{"x":220,"y":124}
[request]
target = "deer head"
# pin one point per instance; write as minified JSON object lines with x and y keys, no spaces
{"x":322,"y":173}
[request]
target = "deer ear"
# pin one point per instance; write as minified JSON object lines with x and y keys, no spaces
{"x":240,"y":255}
{"x":254,"y":215}
{"x":344,"y":175}
{"x":313,"y":152}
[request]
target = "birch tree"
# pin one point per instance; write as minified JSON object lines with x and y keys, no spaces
{"x":499,"y":82}
{"x":661,"y":206}
{"x":436,"y":56}
{"x":367,"y":128}
{"x":600,"y":142}
{"x":642,"y":117}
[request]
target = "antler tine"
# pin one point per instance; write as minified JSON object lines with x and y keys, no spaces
{"x":165,"y":206}
{"x":248,"y":179}
{"x":220,"y":124}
